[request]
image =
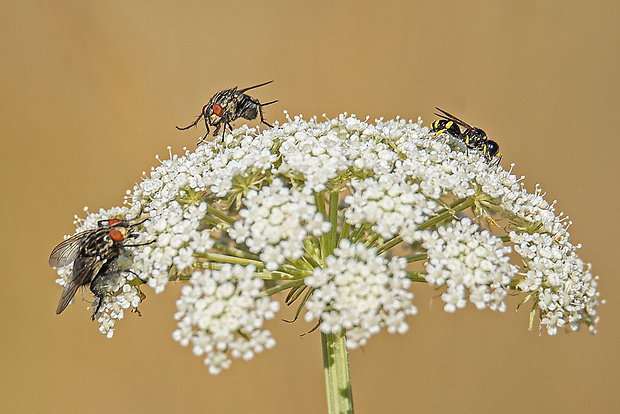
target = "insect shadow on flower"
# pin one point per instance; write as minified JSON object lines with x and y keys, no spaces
{"x":229,"y":105}
{"x":93,"y":254}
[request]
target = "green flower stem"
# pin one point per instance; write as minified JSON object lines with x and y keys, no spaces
{"x":417,"y":257}
{"x":333,"y":219}
{"x":220,"y":215}
{"x":344,"y":233}
{"x":337,"y":376}
{"x":417,"y":276}
{"x":323,"y":239}
{"x":211,"y":265}
{"x":235,"y":252}
{"x":457,"y":207}
{"x":232,"y":259}
{"x":294,"y":271}
{"x":388,"y":245}
{"x":275,"y":276}
{"x":359,"y":233}
{"x":312,"y":260}
{"x":280,"y":288}
{"x":372,"y":240}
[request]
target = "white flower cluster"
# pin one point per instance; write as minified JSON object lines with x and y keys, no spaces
{"x":178,"y":239}
{"x":567,"y":290}
{"x":276,"y":221}
{"x":114,"y":306}
{"x":468,"y":260}
{"x":361,"y":292}
{"x":394,"y":206}
{"x":259,"y":198}
{"x":221,"y":312}
{"x":318,"y":152}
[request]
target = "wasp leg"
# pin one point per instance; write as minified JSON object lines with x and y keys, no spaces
{"x":496,"y":160}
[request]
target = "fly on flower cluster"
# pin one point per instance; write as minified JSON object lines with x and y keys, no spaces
{"x":472,"y":137}
{"x":229,"y":105}
{"x":93,"y":254}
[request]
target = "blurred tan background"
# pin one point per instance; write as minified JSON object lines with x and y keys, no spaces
{"x":90,"y":92}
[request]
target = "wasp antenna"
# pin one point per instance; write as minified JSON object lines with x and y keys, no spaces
{"x":269,"y":103}
{"x":255,"y":86}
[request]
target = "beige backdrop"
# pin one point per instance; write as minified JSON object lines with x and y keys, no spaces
{"x":91,"y":91}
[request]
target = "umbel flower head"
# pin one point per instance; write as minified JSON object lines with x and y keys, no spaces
{"x":345,"y":216}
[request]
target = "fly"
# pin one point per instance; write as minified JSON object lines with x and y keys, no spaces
{"x":229,"y":105}
{"x":93,"y":254}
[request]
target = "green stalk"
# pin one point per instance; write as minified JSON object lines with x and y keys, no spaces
{"x":417,"y":276}
{"x":280,"y":288}
{"x":333,"y":219}
{"x":459,"y":206}
{"x":323,"y":239}
{"x":417,"y":257}
{"x":216,"y":257}
{"x":337,"y":376}
{"x":222,"y":216}
{"x":387,"y":246}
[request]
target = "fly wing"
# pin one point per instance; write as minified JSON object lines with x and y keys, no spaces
{"x":83,"y":270}
{"x":254,"y":87}
{"x":67,"y":294}
{"x":68,"y":250}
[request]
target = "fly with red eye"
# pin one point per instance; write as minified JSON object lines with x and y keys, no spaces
{"x":227,"y":106}
{"x":94,"y":254}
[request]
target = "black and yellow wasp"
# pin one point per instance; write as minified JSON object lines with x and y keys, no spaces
{"x":473,"y":137}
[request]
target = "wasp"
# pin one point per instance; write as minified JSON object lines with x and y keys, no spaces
{"x":93,"y":254}
{"x":229,"y":105}
{"x":472,"y":137}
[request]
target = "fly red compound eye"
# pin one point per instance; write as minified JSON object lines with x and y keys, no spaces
{"x":116,"y":235}
{"x":204,"y":109}
{"x":217,"y":110}
{"x":113,"y":221}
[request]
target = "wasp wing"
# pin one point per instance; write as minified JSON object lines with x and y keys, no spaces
{"x":68,"y":250}
{"x":84,"y":270}
{"x":450,"y":117}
